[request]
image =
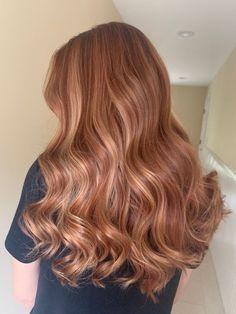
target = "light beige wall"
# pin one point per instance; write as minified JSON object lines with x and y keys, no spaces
{"x":220,"y":139}
{"x":188,"y":104}
{"x":221,"y":124}
{"x":30,"y":31}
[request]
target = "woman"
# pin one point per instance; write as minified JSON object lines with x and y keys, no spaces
{"x":116,"y":211}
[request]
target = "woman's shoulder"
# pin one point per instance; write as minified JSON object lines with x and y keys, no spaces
{"x":34,"y":181}
{"x":34,"y":167}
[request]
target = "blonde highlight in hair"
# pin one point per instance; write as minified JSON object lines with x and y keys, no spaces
{"x":123,"y":181}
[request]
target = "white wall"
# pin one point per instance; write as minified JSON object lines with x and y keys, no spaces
{"x":30,"y":31}
{"x":221,"y":125}
{"x":219,"y":152}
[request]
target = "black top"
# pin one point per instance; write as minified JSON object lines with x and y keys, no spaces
{"x":53,"y":298}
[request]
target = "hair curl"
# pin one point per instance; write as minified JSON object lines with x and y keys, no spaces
{"x":123,"y":180}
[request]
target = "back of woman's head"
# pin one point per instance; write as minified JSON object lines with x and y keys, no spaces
{"x":123,"y":182}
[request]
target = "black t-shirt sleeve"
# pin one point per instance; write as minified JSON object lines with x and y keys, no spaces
{"x":17,"y":243}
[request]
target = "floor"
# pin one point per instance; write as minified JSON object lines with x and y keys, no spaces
{"x":201,"y":295}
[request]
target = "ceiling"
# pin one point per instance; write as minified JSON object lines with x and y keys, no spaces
{"x":196,"y":59}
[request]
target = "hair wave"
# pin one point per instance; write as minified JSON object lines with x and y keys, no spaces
{"x":123,"y":180}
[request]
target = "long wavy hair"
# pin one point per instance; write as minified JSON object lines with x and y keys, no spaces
{"x":123,"y":182}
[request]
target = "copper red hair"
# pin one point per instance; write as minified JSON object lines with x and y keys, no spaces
{"x":123,"y":180}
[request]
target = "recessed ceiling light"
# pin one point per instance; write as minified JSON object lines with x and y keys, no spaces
{"x":185,"y":34}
